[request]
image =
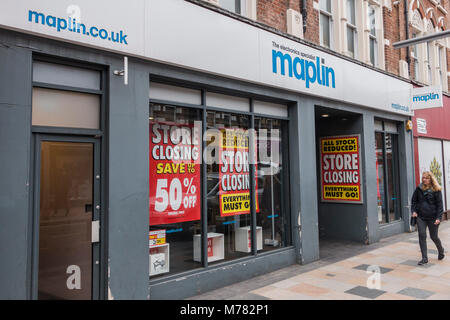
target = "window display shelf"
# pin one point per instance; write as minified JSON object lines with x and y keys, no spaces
{"x":243,"y":239}
{"x":215,"y":247}
{"x":159,"y":259}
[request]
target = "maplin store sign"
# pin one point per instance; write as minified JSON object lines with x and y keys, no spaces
{"x":183,"y":34}
{"x":426,"y":97}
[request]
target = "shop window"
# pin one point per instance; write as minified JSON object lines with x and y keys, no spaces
{"x":270,"y":192}
{"x":175,"y":184}
{"x":387,"y":172}
{"x":205,"y":201}
{"x":228,"y":181}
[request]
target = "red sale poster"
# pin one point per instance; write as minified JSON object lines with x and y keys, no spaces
{"x":234,"y":173}
{"x":175,"y":152}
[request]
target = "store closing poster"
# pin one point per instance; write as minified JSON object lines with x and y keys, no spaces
{"x":175,"y":156}
{"x":234,"y":173}
{"x":340,"y":162}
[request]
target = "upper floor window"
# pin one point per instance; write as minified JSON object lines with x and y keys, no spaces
{"x":441,"y":66}
{"x":416,"y":58}
{"x":428,"y":64}
{"x":236,"y":6}
{"x":351,"y":28}
{"x":325,"y":23}
{"x":372,"y":34}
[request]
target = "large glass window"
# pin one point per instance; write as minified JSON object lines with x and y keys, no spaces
{"x":229,"y":183}
{"x":201,"y":198}
{"x":271,"y":174}
{"x":325,"y":23}
{"x":175,"y":177}
{"x":387,"y":172}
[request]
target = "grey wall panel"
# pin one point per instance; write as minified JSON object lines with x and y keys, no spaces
{"x":370,"y":179}
{"x":294,"y":174}
{"x":15,"y":135}
{"x":308,"y":182}
{"x":128,"y":214}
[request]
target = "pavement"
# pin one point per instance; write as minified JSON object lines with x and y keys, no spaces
{"x":386,"y":270}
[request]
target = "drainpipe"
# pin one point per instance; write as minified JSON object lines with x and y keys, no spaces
{"x":408,"y":59}
{"x":304,"y":15}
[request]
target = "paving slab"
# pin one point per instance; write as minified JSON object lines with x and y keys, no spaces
{"x":341,"y":274}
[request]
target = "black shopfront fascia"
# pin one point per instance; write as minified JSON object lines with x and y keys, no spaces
{"x":286,"y":222}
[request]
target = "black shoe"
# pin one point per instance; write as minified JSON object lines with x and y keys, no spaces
{"x":441,"y":256}
{"x":423,"y":261}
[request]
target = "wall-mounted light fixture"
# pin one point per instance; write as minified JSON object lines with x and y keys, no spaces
{"x":124,"y":72}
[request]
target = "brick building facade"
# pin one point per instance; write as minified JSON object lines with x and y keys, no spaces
{"x":421,"y":64}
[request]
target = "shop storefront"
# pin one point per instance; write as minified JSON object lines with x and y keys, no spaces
{"x":432,"y":146}
{"x":150,"y":159}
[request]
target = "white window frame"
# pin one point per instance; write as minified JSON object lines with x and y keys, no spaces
{"x":441,"y":66}
{"x":371,"y":36}
{"x":353,"y":27}
{"x":329,"y":15}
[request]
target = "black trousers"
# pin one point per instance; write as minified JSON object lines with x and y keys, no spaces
{"x":422,"y":230}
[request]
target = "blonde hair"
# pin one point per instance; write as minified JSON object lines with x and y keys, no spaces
{"x":434,"y":184}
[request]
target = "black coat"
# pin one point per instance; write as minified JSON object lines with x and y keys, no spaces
{"x":428,"y":205}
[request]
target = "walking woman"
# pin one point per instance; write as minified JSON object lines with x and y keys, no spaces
{"x":426,"y":205}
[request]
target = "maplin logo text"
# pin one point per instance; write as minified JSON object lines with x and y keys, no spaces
{"x":426,"y":97}
{"x":302,"y":69}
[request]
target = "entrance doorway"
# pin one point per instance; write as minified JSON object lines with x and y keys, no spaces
{"x":67,"y":203}
{"x":341,"y":215}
